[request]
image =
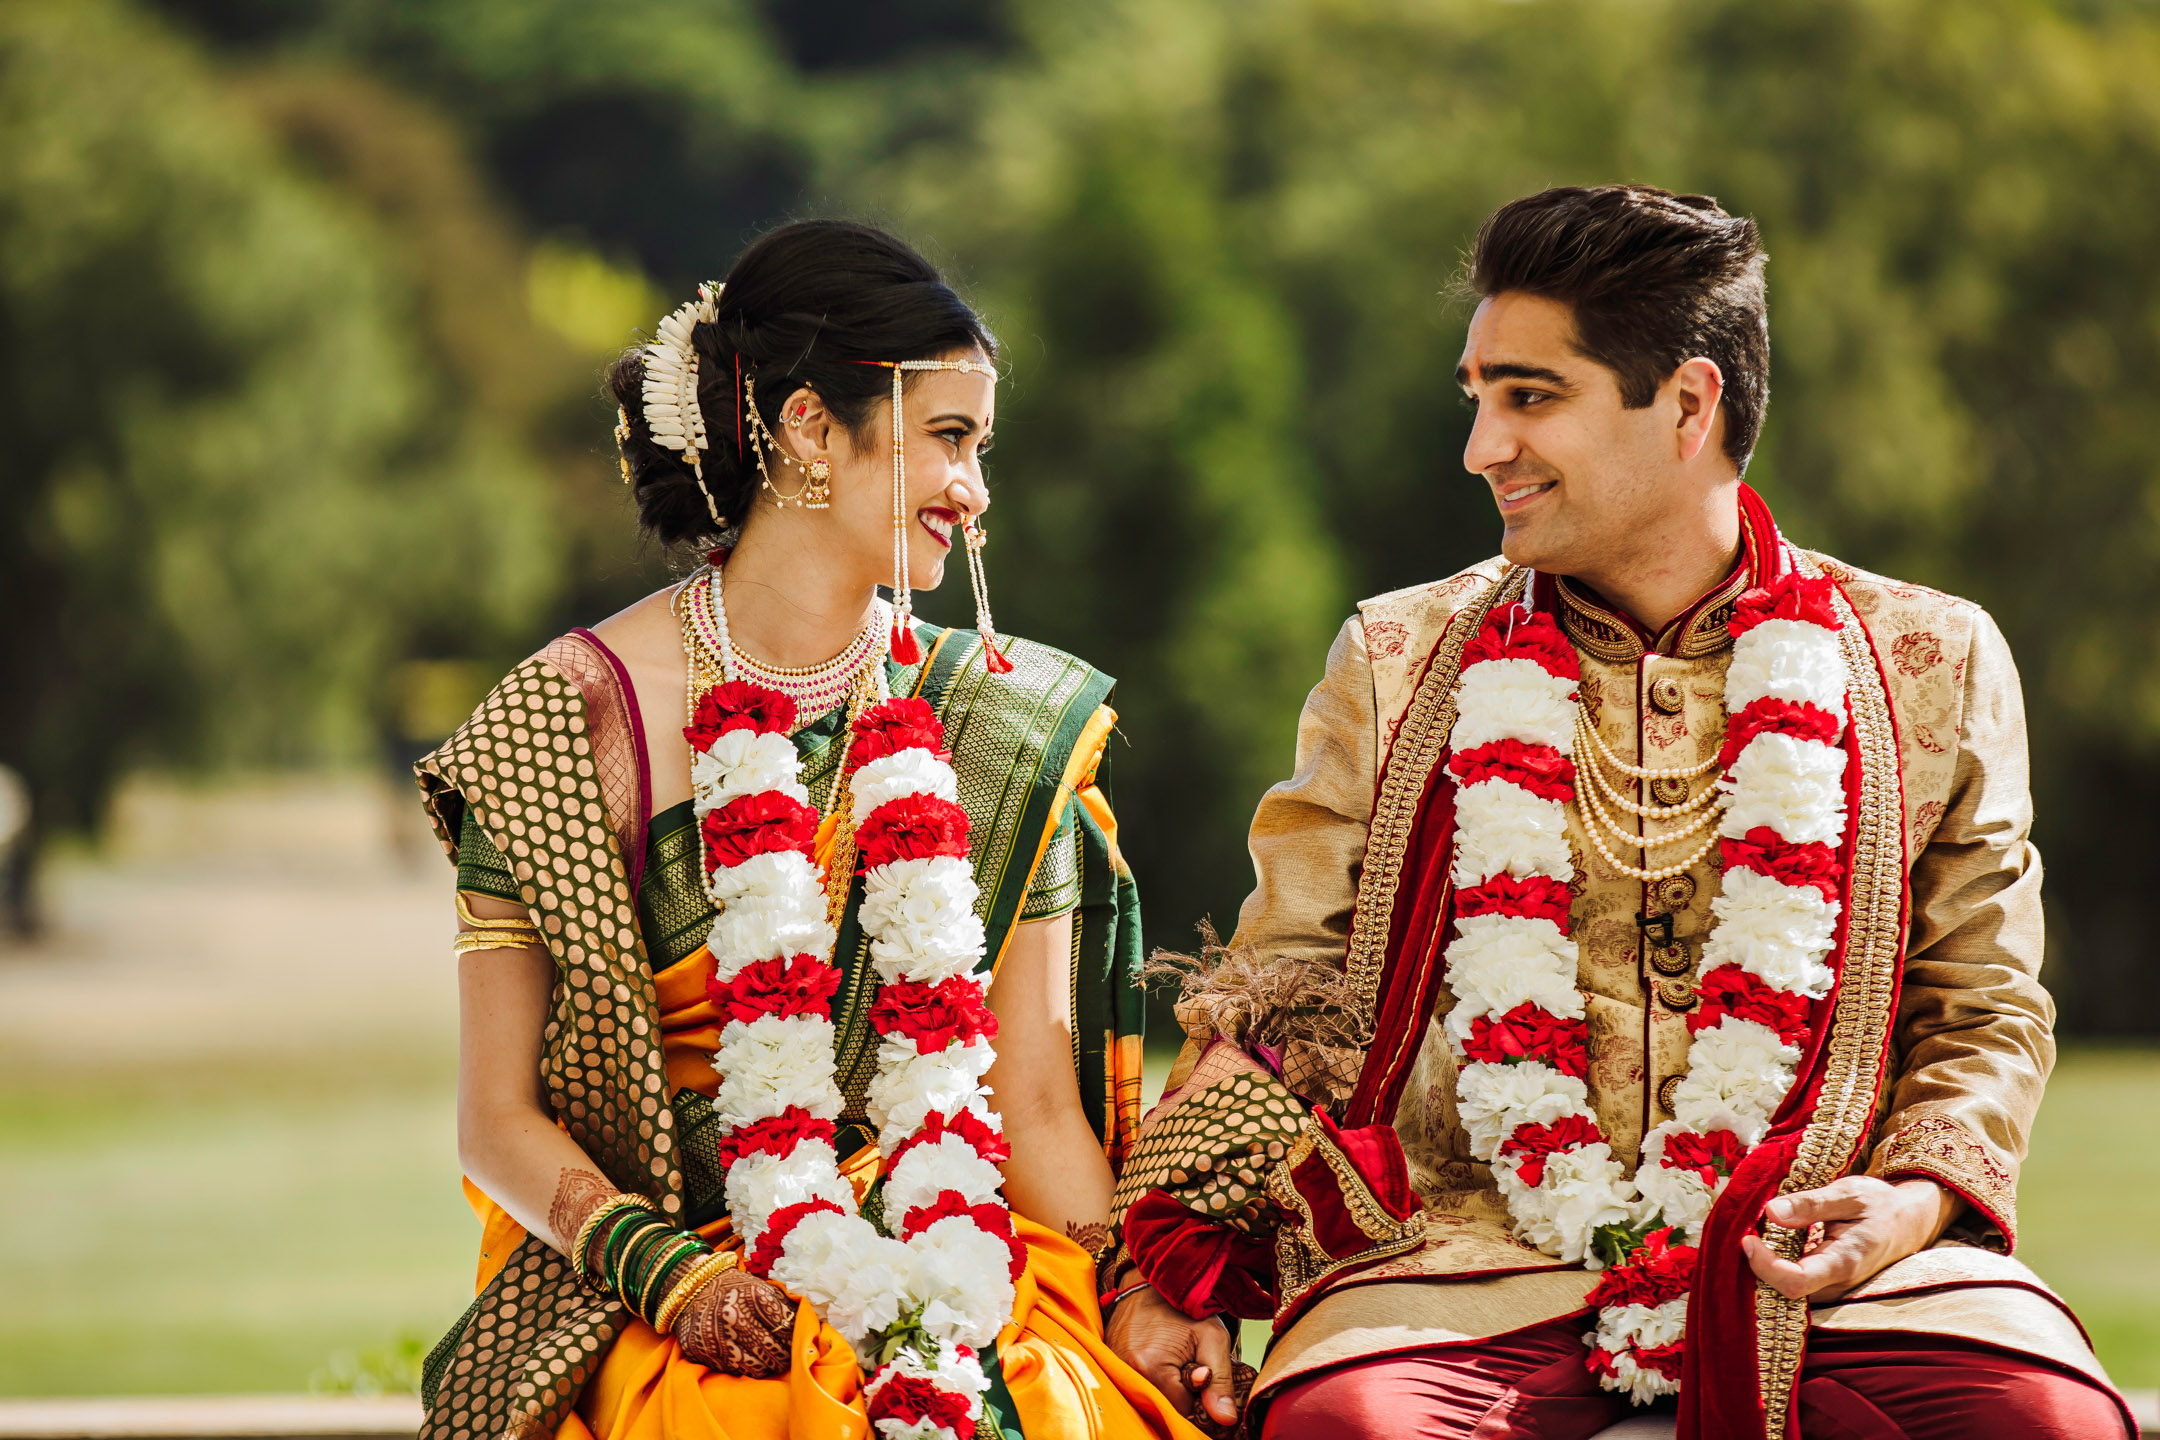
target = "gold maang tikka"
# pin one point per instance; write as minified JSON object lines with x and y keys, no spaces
{"x":816,"y":491}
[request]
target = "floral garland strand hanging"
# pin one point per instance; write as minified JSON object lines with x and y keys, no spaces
{"x":917,"y":1308}
{"x":1519,"y":1030}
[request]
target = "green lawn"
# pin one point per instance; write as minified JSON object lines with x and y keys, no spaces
{"x":236,"y":1229}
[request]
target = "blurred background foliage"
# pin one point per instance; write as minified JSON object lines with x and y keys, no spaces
{"x":302,"y":304}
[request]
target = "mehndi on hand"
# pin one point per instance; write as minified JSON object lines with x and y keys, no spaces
{"x":739,"y":1325}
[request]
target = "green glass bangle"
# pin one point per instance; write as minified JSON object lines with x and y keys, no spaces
{"x":622,"y":1241}
{"x":645,"y":1247}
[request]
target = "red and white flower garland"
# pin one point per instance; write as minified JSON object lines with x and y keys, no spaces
{"x":1518,"y":1028}
{"x":918,"y":1307}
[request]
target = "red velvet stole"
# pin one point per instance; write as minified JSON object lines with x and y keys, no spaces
{"x":1721,"y":1392}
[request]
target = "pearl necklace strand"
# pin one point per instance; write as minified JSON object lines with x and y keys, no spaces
{"x":1706,"y":807}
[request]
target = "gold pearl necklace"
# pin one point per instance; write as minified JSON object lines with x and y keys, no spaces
{"x":1709,"y":806}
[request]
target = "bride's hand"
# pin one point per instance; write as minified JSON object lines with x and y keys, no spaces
{"x":738,"y":1325}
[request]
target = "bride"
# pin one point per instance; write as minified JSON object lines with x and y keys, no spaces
{"x":800,"y":1034}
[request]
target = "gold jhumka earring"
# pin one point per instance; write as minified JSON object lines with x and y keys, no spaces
{"x":905,"y":650}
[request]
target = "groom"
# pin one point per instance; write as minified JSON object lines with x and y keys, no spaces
{"x":1640,"y":993}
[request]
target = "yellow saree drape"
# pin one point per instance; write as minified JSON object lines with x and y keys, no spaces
{"x":1064,"y":1380}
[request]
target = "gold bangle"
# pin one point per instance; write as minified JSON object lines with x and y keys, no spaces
{"x":496,"y":940}
{"x":686,"y":1289}
{"x":592,"y":1222}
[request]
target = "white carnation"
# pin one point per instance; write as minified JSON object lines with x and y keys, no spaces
{"x":1500,"y":961}
{"x":1621,"y":1328}
{"x":857,"y":1278}
{"x":920,"y":915}
{"x":963,"y":1273}
{"x":1580,"y":1190}
{"x":1681,"y":1197}
{"x":1738,"y":1073}
{"x":1778,"y":933}
{"x":1513,"y":700}
{"x":1495,"y":1099}
{"x":772,"y":1062}
{"x":1794,"y":660}
{"x":745,"y":762}
{"x":769,"y":927}
{"x":759,"y":1184}
{"x":929,"y":1169}
{"x":1500,"y":826}
{"x":913,"y":771}
{"x":1794,"y":786}
{"x":924,"y":1429}
{"x":909,"y":1086}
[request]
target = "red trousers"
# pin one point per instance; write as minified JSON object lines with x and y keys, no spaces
{"x":1532,"y":1385}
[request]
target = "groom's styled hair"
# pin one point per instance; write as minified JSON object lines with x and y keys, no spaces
{"x":1654,"y":279}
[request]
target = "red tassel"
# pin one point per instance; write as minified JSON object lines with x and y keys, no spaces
{"x":904,"y":649}
{"x":994,"y":659}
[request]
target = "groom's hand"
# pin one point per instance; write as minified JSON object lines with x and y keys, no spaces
{"x":1188,"y":1360}
{"x":1868,"y":1224}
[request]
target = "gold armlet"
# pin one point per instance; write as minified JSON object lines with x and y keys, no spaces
{"x":687,"y":1288}
{"x":485,"y":922}
{"x":592,"y":1222}
{"x":495,"y":940}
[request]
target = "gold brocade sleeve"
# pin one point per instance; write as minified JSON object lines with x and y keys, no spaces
{"x":1308,"y":835}
{"x":1974,"y":1039}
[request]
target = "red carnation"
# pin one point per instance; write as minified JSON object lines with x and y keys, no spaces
{"x":761,"y":1259}
{"x":1528,"y":1033}
{"x":1768,"y":853}
{"x":913,"y":827}
{"x":1769,"y":715}
{"x":1667,"y":1360}
{"x":1540,"y":769}
{"x":967,"y":1125}
{"x":738,"y":705}
{"x":933,"y":1016}
{"x":1601,"y":1362}
{"x":910,"y":1398}
{"x":992,"y":1219}
{"x":1655,"y":1271}
{"x":1505,"y":635}
{"x":1569,"y":1132}
{"x":904,"y":724}
{"x":1790,"y":597}
{"x":1730,"y":990}
{"x":774,"y":1135}
{"x":762,"y":824}
{"x":1710,"y":1154}
{"x":803,"y":985}
{"x":1532,"y":897}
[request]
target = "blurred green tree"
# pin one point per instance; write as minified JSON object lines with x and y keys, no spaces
{"x":267,"y":419}
{"x":1959,"y":201}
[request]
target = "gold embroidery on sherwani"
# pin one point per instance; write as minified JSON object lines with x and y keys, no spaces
{"x":1403,"y":775}
{"x":1867,"y":981}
